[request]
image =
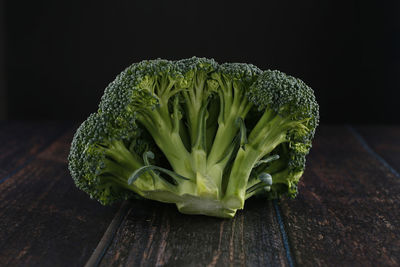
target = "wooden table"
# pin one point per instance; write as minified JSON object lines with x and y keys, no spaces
{"x":347,"y":212}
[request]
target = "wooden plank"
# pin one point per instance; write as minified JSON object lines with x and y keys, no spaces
{"x":44,"y":219}
{"x":348,"y":209}
{"x":156,"y":234}
{"x":385,"y":141}
{"x":19,"y":141}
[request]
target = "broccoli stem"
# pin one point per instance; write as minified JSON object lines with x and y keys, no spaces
{"x":212,"y":123}
{"x":226,"y":132}
{"x":237,"y":184}
{"x":120,"y":154}
{"x":196,"y":108}
{"x":261,"y":141}
{"x":257,"y":188}
{"x":233,"y":105}
{"x":165,"y":132}
{"x":120,"y":164}
{"x":208,"y":180}
{"x":190,"y":204}
{"x":175,"y":151}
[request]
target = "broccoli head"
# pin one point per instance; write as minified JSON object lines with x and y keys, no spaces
{"x":202,"y":135}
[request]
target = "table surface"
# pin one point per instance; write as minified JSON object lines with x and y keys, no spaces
{"x":347,"y":211}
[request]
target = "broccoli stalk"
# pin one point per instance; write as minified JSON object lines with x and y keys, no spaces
{"x":270,"y":131}
{"x":201,"y":135}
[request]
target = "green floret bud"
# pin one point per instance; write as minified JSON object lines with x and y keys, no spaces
{"x":198,"y":134}
{"x":93,"y":146}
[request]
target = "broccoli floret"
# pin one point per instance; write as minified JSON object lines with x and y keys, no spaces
{"x":198,"y":134}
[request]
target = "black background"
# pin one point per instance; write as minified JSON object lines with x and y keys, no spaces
{"x":60,"y":55}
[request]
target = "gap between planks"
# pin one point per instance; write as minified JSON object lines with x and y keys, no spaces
{"x":365,"y":145}
{"x":283,"y":233}
{"x":108,"y":236}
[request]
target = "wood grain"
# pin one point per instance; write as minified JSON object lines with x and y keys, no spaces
{"x":347,"y":212}
{"x":385,"y":141}
{"x":155,"y":234}
{"x":44,"y":219}
{"x":348,"y":209}
{"x":20,"y":141}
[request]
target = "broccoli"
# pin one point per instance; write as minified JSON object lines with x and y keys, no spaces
{"x":201,"y":135}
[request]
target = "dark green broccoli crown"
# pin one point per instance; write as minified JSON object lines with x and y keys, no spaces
{"x":195,"y":64}
{"x":286,"y":95}
{"x":152,"y":67}
{"x":290,"y":98}
{"x":195,"y":72}
{"x":88,"y":160}
{"x":133,"y":89}
{"x":141,"y":85}
{"x":240,"y":71}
